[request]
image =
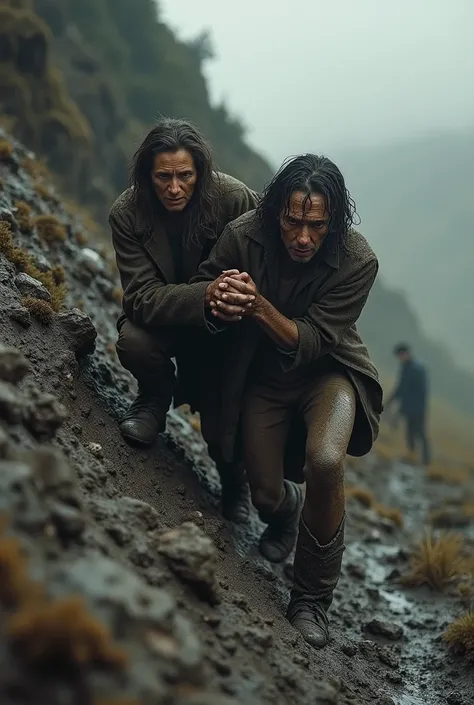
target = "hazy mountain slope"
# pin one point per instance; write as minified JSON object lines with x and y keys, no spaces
{"x":415,"y":200}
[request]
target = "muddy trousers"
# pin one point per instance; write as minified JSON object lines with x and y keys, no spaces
{"x":327,"y":403}
{"x":148,"y":357}
{"x":416,"y":434}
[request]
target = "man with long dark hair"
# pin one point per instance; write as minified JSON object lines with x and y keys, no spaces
{"x":297,"y":384}
{"x":163,"y":226}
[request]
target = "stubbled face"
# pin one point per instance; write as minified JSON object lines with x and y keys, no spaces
{"x":174,"y":178}
{"x":304,"y":227}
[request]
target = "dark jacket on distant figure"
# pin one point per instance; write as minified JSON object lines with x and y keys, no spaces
{"x":412,"y":389}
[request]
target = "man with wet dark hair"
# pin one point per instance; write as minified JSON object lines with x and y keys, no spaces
{"x":163,"y":226}
{"x":297,"y":387}
{"x":411,"y":393}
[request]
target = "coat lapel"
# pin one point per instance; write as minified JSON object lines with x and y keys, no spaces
{"x":155,"y":242}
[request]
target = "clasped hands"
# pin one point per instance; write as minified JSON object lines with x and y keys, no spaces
{"x":233,"y":295}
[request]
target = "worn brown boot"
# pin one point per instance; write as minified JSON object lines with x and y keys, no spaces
{"x":235,"y":493}
{"x":279,"y":538}
{"x":316,"y":573}
{"x":145,"y":418}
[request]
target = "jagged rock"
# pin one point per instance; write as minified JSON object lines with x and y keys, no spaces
{"x":7,"y":271}
{"x":388,"y":656}
{"x":54,"y":476}
{"x":95,"y":449}
{"x":79,"y":331}
{"x":141,"y":512}
{"x":69,"y":521}
{"x":380,"y":627}
{"x":13,"y":364}
{"x":7,"y":216}
{"x":91,"y":260}
{"x":385,"y":700}
{"x":42,"y":262}
{"x":10,"y":404}
{"x":31,"y":287}
{"x":21,"y":315}
{"x":193,"y":556}
{"x":43,"y":415}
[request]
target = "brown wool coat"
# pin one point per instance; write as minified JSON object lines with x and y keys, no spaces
{"x":326,"y":306}
{"x":151,"y":298}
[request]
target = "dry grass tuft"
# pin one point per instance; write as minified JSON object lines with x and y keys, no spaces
{"x":41,"y":310}
{"x":81,"y":238}
{"x":6,"y":150}
{"x":460,"y":635}
{"x":367,"y":499}
{"x":436,"y":562}
{"x":35,"y":168}
{"x":118,"y":295}
{"x":50,"y":229}
{"x":448,"y":475}
{"x":195,"y":423}
{"x":23,"y":216}
{"x":59,"y":274}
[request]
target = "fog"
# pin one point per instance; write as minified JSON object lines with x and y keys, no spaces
{"x":314,"y":76}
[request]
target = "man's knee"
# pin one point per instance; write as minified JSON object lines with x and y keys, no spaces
{"x":139,"y":351}
{"x":324,"y":467}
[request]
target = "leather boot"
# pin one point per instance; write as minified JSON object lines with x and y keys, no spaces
{"x":145,"y":418}
{"x":316,"y":573}
{"x":235,"y":493}
{"x":279,"y":538}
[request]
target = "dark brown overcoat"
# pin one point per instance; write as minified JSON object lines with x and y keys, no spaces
{"x":151,"y":297}
{"x":331,"y":295}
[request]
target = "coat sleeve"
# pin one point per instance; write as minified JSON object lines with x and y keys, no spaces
{"x":224,"y":255}
{"x":147,"y":299}
{"x":323,"y":327}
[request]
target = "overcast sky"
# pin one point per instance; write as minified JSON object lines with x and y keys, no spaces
{"x":313,"y":75}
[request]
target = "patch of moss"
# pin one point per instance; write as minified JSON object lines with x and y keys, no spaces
{"x":52,"y":280}
{"x":15,"y":584}
{"x":50,"y":229}
{"x":63,"y":633}
{"x":23,"y":216}
{"x":58,"y":274}
{"x":41,"y":310}
{"x":44,"y":193}
{"x":6,"y":150}
{"x":50,"y":633}
{"x":460,"y":635}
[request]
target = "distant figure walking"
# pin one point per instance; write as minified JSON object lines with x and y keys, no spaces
{"x":411,"y":393}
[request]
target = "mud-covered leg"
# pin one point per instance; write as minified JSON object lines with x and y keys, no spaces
{"x":329,"y":411}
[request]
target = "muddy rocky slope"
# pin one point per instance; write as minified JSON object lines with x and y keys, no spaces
{"x":119,"y":582}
